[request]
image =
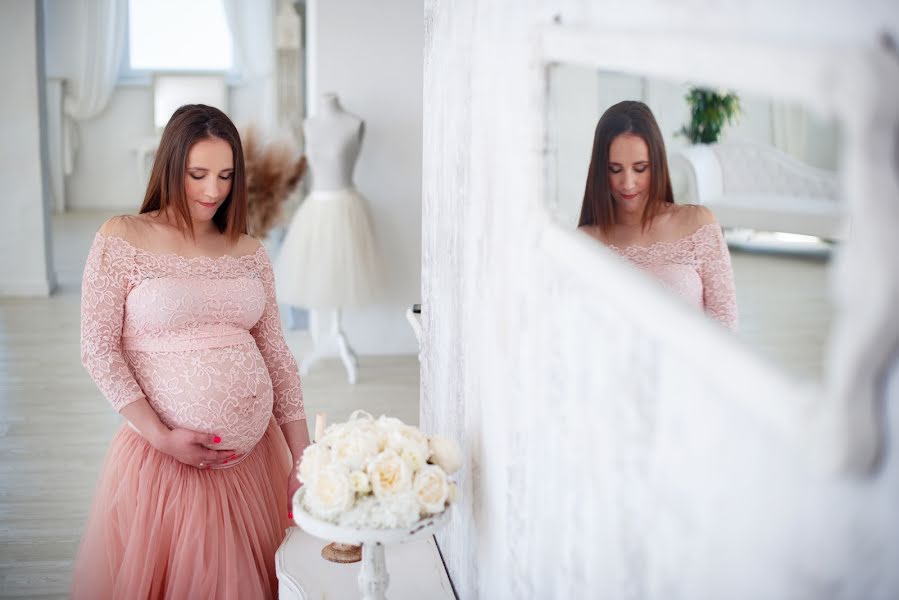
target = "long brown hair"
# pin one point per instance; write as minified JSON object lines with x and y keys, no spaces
{"x":188,"y":125}
{"x":635,"y":118}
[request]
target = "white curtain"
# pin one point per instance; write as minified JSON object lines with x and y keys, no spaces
{"x":101,"y":41}
{"x":252,"y":33}
{"x":789,"y":129}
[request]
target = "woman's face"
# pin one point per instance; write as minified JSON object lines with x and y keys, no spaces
{"x":629,"y":173}
{"x":207,"y":181}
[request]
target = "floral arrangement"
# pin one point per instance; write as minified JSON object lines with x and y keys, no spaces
{"x":377,"y":473}
{"x":273,"y":172}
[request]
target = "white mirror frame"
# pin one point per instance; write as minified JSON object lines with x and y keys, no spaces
{"x":839,"y":421}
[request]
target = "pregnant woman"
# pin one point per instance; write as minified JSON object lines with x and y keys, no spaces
{"x":181,"y":332}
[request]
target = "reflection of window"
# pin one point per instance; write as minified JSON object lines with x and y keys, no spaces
{"x":174,"y":35}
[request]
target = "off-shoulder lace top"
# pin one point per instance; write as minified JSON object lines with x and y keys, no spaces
{"x":200,"y":338}
{"x":696,"y":267}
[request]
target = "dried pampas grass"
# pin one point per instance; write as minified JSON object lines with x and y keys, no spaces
{"x":273,"y":172}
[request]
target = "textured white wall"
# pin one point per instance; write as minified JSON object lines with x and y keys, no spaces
{"x":24,"y":252}
{"x":370,"y":54}
{"x":607,"y":458}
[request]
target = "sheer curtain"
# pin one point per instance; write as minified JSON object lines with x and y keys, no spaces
{"x":789,"y":129}
{"x":101,"y":41}
{"x":814,"y":140}
{"x":252,"y":33}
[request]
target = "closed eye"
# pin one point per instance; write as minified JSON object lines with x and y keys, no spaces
{"x":640,"y":169}
{"x":222,"y":177}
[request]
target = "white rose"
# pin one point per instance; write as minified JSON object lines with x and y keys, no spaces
{"x":432,"y":489}
{"x":389,"y":474}
{"x":315,"y":456}
{"x":330,"y":493}
{"x":445,"y":454}
{"x":371,"y":429}
{"x":360,"y":482}
{"x":409,"y":443}
{"x":332,"y":433}
{"x":388,"y":424}
{"x":413,"y":459}
{"x":336,"y":431}
{"x":355,"y":448}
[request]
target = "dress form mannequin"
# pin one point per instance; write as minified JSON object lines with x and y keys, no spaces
{"x":328,"y":259}
{"x":333,"y":140}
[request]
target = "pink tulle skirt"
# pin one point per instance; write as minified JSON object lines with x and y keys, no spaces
{"x":161,"y":529}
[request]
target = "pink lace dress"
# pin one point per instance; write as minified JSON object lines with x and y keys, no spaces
{"x":200,"y":339}
{"x":696,"y":267}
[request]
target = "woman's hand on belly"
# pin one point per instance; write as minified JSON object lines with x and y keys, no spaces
{"x":189,"y":447}
{"x":184,"y":445}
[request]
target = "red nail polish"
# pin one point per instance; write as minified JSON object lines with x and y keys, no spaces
{"x":217,"y":439}
{"x":290,"y":515}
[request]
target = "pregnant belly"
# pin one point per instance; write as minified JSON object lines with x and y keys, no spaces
{"x":225,"y":391}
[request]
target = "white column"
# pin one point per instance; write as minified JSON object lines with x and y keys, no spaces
{"x":25,"y":256}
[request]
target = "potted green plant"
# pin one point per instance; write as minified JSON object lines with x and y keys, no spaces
{"x":709,"y":112}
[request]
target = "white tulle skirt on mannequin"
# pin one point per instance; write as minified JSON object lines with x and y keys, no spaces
{"x":328,"y":258}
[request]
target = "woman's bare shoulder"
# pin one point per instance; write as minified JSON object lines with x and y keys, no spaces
{"x":687,"y":218}
{"x":131,"y":228}
{"x":247,"y":244}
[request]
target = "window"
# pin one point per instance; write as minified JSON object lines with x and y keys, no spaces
{"x":174,"y":35}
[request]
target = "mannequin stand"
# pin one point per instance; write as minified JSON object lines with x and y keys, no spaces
{"x":330,"y":343}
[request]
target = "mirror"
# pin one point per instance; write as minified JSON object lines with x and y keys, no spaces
{"x":770,"y":180}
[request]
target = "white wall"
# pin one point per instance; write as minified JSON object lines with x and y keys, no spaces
{"x":106,"y":172}
{"x":24,"y":254}
{"x":605,"y":459}
{"x":60,"y":43}
{"x":370,"y":54}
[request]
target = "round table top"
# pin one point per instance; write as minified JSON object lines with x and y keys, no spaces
{"x":351,"y":535}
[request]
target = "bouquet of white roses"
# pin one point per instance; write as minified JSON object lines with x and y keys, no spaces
{"x":377,"y":473}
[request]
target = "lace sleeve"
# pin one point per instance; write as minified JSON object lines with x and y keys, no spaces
{"x":282,"y":367}
{"x":718,"y":292}
{"x":104,"y":288}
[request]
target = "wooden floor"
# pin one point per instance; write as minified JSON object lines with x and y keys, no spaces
{"x":55,"y":426}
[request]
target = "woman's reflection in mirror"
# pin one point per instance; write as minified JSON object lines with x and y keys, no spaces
{"x":628,"y":205}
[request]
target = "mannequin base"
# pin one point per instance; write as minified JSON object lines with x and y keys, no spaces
{"x":330,"y":344}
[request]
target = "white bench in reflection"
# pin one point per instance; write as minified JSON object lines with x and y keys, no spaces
{"x":757,"y":186}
